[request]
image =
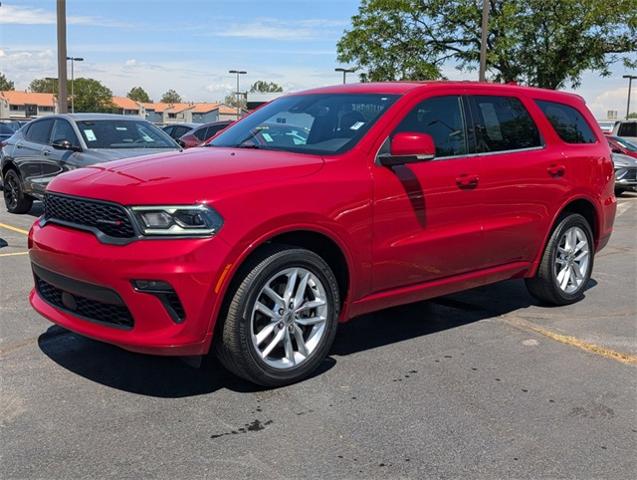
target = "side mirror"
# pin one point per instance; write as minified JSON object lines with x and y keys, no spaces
{"x":65,"y":145}
{"x":409,"y":147}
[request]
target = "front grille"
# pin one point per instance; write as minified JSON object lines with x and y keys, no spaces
{"x":110,"y":219}
{"x":116,"y":315}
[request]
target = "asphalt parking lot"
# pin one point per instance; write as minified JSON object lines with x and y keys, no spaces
{"x":483,"y":384}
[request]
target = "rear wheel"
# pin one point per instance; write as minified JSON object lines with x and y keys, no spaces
{"x":619,"y":191}
{"x":566,"y":264}
{"x":281,"y":319}
{"x":15,"y":199}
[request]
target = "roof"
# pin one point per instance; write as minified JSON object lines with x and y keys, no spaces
{"x":15,"y":97}
{"x":226,"y":110}
{"x":79,"y":117}
{"x":205,"y":107}
{"x":126,"y":103}
{"x":160,"y":107}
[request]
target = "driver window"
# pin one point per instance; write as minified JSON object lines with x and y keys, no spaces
{"x":443,"y":119}
{"x":62,"y":130}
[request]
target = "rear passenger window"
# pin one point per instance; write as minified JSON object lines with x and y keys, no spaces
{"x":39,"y":131}
{"x":442,"y":118}
{"x":627,"y":130}
{"x":201,"y":133}
{"x":501,"y":124}
{"x":567,"y":122}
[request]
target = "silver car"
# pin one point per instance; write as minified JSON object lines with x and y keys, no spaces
{"x":49,"y":146}
{"x":625,"y":173}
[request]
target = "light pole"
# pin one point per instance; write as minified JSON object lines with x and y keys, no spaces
{"x":630,"y":86}
{"x":63,"y":106}
{"x":73,"y":60}
{"x":238,"y":73}
{"x":483,"y":40}
{"x":345,"y":72}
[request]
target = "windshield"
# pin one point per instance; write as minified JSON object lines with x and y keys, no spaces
{"x":123,"y":134}
{"x":318,"y":124}
{"x":630,"y":146}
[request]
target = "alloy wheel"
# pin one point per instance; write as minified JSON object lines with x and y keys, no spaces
{"x":11,"y":192}
{"x":289,"y":318}
{"x":572,"y":260}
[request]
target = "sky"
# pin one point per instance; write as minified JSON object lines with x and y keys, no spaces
{"x":189,"y":45}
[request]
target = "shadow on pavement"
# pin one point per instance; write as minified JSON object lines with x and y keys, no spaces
{"x":170,"y":377}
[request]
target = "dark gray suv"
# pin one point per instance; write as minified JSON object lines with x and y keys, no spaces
{"x":52,"y":145}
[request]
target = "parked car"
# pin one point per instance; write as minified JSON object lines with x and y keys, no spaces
{"x":46,"y":147}
{"x":178,"y":130}
{"x":606,"y":126}
{"x":401,"y":192}
{"x":626,"y":129}
{"x":202,"y":133}
{"x":621,"y":145}
{"x":625,"y":173}
{"x":7,"y":129}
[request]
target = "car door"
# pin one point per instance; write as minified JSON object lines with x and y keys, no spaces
{"x":56,"y":161}
{"x":28,"y":154}
{"x":522,"y":178}
{"x":427,"y":215}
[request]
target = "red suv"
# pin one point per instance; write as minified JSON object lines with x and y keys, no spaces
{"x":373,"y":195}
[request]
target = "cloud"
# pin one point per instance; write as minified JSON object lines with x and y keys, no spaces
{"x":14,"y":15}
{"x":273,"y":29}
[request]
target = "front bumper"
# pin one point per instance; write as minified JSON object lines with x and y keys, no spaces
{"x":191,"y":266}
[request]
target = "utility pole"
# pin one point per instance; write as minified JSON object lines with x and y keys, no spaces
{"x":61,"y":30}
{"x":630,"y":87}
{"x":73,"y":60}
{"x":345,"y":72}
{"x":483,"y":40}
{"x":238,"y":73}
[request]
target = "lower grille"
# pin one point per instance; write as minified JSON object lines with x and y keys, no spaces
{"x":115,"y":315}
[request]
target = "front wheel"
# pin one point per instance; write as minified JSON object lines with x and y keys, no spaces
{"x":282,"y":317}
{"x":15,"y":199}
{"x":566,"y":264}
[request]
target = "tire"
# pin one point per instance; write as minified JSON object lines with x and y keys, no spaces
{"x":15,"y":199}
{"x":237,"y":345}
{"x":548,"y":283}
{"x":619,"y":192}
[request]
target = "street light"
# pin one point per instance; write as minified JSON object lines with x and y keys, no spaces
{"x":483,"y":40}
{"x":630,"y":86}
{"x":238,"y":73}
{"x":73,"y":60}
{"x":345,"y":72}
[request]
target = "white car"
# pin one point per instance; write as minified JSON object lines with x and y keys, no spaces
{"x":626,"y":129}
{"x":625,"y":173}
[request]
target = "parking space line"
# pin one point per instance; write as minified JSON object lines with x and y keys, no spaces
{"x":15,"y":229}
{"x":625,"y":358}
{"x":13,"y":254}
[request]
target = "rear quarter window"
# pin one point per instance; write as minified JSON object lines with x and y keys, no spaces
{"x":568,"y":123}
{"x":627,"y":130}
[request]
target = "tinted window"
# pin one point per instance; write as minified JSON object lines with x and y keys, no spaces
{"x":333,"y":123}
{"x":443,"y":119}
{"x":123,"y":134}
{"x":5,"y":129}
{"x":39,"y":131}
{"x":567,"y":122}
{"x":213,"y":130}
{"x":628,"y":130}
{"x":200,"y":133}
{"x":502,"y":123}
{"x":180,"y":132}
{"x":62,"y":130}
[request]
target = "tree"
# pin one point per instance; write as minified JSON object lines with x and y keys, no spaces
{"x":632,"y":115}
{"x":537,"y":42}
{"x":92,"y":96}
{"x":171,"y":96}
{"x":231,"y":101}
{"x":261,"y":86}
{"x":5,"y":83}
{"x":44,"y":85}
{"x":139,"y":95}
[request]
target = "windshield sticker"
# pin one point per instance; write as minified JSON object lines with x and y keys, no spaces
{"x":90,"y":136}
{"x":357,"y":125}
{"x":121,"y":129}
{"x":146,"y":137}
{"x":267,"y":137}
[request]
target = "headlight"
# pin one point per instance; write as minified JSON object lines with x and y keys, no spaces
{"x":195,"y":220}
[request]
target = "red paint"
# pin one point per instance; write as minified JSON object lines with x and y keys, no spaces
{"x":408,"y":233}
{"x":617,"y":147}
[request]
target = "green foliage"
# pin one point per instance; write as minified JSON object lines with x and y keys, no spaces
{"x":171,"y":96}
{"x":231,"y":101}
{"x":265,"y":87}
{"x":5,"y":83}
{"x":44,"y":85}
{"x":91,"y":96}
{"x":632,"y":115}
{"x":139,"y":95}
{"x":537,"y":42}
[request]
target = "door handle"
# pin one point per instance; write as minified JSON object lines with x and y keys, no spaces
{"x":467,"y":181}
{"x":46,"y":153}
{"x":556,"y":170}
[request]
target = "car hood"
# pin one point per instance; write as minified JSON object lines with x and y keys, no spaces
{"x":108,"y":154}
{"x":193,"y":176}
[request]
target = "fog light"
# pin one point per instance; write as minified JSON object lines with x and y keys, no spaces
{"x":152,"y":286}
